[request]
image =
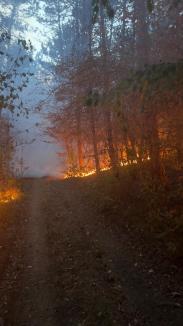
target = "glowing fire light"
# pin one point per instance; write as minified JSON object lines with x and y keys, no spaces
{"x":81,"y":174}
{"x":86,"y":174}
{"x":93,"y":171}
{"x":9,"y":195}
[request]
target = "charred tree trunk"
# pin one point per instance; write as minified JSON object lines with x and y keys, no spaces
{"x":141,"y":33}
{"x":94,"y":139}
{"x":156,"y":165}
{"x":124,"y":23}
{"x":79,"y":140}
{"x":107,"y":113}
{"x":111,"y":148}
{"x":92,"y":118}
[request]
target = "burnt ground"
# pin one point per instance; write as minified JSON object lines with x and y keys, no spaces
{"x":66,"y":261}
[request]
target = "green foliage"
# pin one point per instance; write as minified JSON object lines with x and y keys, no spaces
{"x":13,"y":79}
{"x":96,"y":8}
{"x":150,"y":5}
{"x":9,"y":87}
{"x":153,"y":79}
{"x":110,"y":11}
{"x":92,"y":99}
{"x":176,"y":3}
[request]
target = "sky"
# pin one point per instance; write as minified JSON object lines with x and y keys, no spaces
{"x":40,"y":157}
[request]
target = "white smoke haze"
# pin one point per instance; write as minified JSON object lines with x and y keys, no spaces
{"x":40,"y":158}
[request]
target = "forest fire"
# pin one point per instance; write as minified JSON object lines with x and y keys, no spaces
{"x":93,"y":171}
{"x":9,"y":195}
{"x":80,"y":174}
{"x":85,"y":174}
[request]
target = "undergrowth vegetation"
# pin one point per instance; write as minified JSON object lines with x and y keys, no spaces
{"x":133,"y":200}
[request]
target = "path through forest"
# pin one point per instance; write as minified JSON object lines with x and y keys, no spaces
{"x":62,"y":264}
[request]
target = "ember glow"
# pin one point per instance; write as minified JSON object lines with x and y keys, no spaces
{"x":8,"y":195}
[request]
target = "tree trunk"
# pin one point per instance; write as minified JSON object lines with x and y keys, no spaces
{"x":94,"y":139}
{"x":79,"y":140}
{"x":156,"y":165}
{"x":107,"y":113}
{"x":141,"y":33}
{"x":111,"y":149}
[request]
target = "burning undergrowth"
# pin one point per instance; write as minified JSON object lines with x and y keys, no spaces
{"x":9,"y":194}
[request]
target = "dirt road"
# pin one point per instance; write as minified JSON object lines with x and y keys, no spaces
{"x":63,"y":264}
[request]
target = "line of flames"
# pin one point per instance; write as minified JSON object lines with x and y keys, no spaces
{"x":93,"y":171}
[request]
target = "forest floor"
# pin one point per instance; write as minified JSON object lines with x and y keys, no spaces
{"x":68,"y":257}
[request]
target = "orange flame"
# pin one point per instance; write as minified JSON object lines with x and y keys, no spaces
{"x":81,"y":174}
{"x":9,"y":195}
